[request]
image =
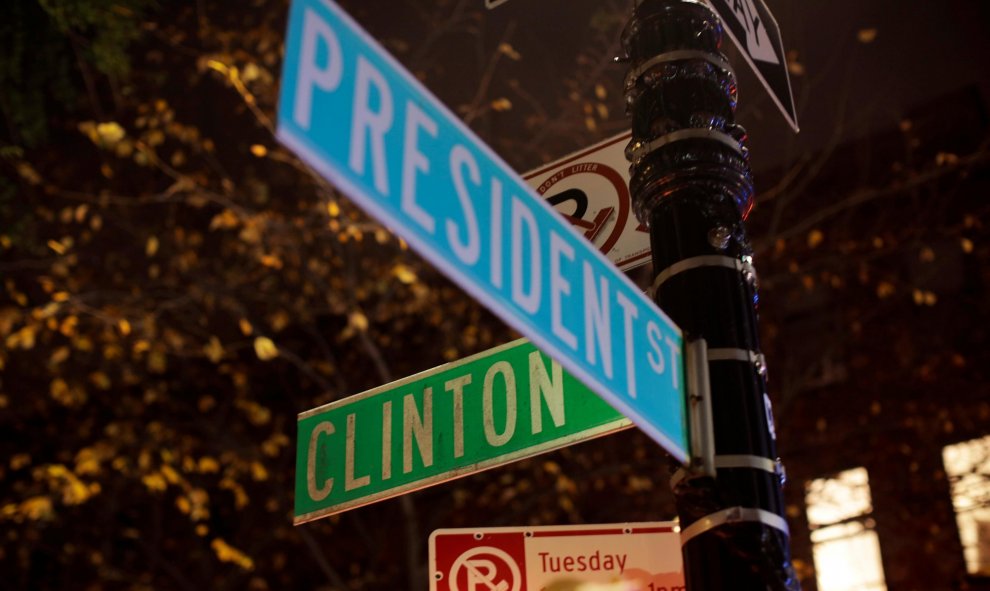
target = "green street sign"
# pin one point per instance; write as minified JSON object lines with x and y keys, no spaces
{"x":496,"y":407}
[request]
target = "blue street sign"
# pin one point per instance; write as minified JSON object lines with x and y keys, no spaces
{"x":354,"y":114}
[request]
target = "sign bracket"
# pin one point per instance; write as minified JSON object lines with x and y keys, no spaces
{"x":699,"y":409}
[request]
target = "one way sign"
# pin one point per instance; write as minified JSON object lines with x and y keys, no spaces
{"x":755,"y":32}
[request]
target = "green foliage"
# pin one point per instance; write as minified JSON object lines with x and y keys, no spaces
{"x":52,"y":51}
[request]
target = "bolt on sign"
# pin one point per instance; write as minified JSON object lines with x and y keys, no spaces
{"x":350,"y":111}
{"x":496,"y":407}
{"x":632,"y":556}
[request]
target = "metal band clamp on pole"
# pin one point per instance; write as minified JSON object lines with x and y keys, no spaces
{"x":684,"y":134}
{"x":699,"y":406}
{"x":732,"y":515}
{"x":729,"y":354}
{"x":748,"y":461}
{"x":710,"y":260}
{"x":678,"y":55}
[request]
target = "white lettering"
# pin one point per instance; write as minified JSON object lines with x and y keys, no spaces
{"x":310,"y":76}
{"x":522,"y":216}
{"x":655,"y":356}
{"x":552,"y":391}
{"x":597,"y":319}
{"x":495,"y":438}
{"x":470,"y":250}
{"x":420,"y":428}
{"x":496,"y":234}
{"x":317,"y":493}
{"x":558,"y":287}
{"x":370,"y":123}
{"x":456,"y":387}
{"x":350,"y":483}
{"x":387,"y":440}
{"x":675,"y":352}
{"x":629,"y":312}
{"x":414,"y":160}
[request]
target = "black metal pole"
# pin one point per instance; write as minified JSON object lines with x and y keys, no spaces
{"x":691,"y":184}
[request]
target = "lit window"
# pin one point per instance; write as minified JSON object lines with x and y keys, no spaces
{"x":845,"y":545}
{"x":968,"y":466}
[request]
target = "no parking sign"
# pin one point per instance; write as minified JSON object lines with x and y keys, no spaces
{"x":638,"y":556}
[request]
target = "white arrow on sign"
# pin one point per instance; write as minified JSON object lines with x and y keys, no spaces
{"x":757,"y":40}
{"x":755,"y":32}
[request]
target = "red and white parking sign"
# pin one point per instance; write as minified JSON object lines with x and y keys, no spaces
{"x":634,"y":556}
{"x":591,"y":189}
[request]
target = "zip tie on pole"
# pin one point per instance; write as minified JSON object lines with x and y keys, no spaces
{"x":708,"y":260}
{"x":733,"y":515}
{"x":676,"y":56}
{"x":748,"y":461}
{"x":729,"y":354}
{"x":699,"y":408}
{"x":744,"y":355}
{"x":680,"y":135}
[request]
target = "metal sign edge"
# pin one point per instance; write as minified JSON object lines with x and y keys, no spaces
{"x":634,"y":527}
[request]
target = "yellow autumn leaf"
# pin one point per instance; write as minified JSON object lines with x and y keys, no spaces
{"x":125,"y":326}
{"x":501,"y":104}
{"x":154,"y":482}
{"x":58,"y":247}
{"x":241,"y":499}
{"x":151,"y":246}
{"x":170,"y":474}
{"x":59,"y":389}
{"x":885,"y":289}
{"x":404,"y":274}
{"x":815,"y":237}
{"x":223,"y":220}
{"x":279,"y":320}
{"x":258,"y":471}
{"x":157,"y":361}
{"x":100,"y":380}
{"x":37,"y":508}
{"x":227,"y":553}
{"x":213,"y":350}
{"x":208,"y":465}
{"x":109,"y":132}
{"x":75,"y":491}
{"x":265,"y":348}
{"x":245,"y":326}
{"x":60,"y":355}
{"x":23,"y":338}
{"x":271,"y":261}
{"x":509,"y":51}
{"x":867,"y":35}
{"x":259,"y":150}
{"x":358,"y":320}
